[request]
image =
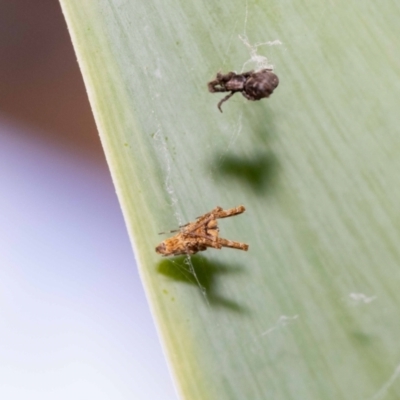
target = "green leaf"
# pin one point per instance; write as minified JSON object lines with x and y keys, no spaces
{"x":311,"y":311}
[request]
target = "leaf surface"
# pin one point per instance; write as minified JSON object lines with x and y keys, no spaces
{"x":311,"y":311}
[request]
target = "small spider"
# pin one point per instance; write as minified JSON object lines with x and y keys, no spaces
{"x":253,"y":85}
{"x":200,"y":234}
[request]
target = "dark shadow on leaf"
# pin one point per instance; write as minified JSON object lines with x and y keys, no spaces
{"x":257,"y":173}
{"x":257,"y":169}
{"x":362,"y":338}
{"x":199,"y":271}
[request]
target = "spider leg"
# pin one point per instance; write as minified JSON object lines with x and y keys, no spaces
{"x":248,"y":97}
{"x":218,"y":243}
{"x":208,"y":238}
{"x":207,"y":242}
{"x":173,"y":231}
{"x":220,"y":81}
{"x":201,"y":222}
{"x":225,"y":99}
{"x":212,"y":86}
{"x":220,"y":213}
{"x":232,"y":244}
{"x":216,"y":209}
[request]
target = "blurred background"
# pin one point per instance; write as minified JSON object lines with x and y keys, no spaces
{"x":74,"y":321}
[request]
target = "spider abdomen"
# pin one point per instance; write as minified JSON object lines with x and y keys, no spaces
{"x":260,"y":85}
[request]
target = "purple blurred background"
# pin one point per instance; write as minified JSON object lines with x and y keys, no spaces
{"x":74,"y":322}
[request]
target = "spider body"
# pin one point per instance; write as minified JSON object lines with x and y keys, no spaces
{"x":253,"y":85}
{"x":199,"y":235}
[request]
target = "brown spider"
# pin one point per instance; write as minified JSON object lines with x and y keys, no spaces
{"x":253,"y":85}
{"x":200,"y":234}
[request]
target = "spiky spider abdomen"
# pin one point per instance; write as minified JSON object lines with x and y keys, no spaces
{"x":253,"y":85}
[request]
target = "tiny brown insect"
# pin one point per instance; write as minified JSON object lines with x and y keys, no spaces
{"x":253,"y":85}
{"x":198,"y":235}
